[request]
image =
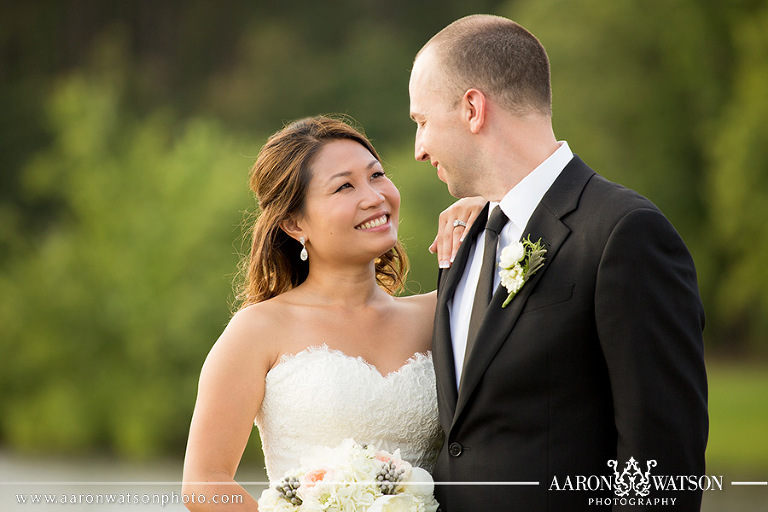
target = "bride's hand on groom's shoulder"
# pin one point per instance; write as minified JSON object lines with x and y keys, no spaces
{"x":454,"y":222}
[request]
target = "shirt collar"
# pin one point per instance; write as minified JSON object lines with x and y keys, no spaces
{"x":520,"y":202}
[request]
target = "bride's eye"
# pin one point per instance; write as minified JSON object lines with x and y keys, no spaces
{"x":346,"y":185}
{"x":378,"y":174}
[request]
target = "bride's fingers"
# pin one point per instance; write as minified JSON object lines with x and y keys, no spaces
{"x":453,"y":225}
{"x":452,"y":234}
{"x":449,"y":240}
{"x":460,"y":232}
{"x":455,"y":241}
{"x":444,"y":240}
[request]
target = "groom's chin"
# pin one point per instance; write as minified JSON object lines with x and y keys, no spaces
{"x":453,"y":191}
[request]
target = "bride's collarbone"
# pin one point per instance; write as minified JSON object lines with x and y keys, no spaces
{"x":380,"y":347}
{"x":383,"y":362}
{"x":375,"y":347}
{"x":336,"y":319}
{"x":385,"y":335}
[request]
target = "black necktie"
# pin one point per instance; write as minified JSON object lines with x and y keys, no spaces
{"x":496,"y":222}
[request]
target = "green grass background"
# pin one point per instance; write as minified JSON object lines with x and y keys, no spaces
{"x":738,"y":409}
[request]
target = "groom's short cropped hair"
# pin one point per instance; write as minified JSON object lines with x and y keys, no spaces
{"x":498,"y":57}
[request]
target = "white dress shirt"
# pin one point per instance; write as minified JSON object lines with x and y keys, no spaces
{"x":518,"y":205}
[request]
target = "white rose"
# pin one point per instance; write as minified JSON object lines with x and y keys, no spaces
{"x":394,"y":503}
{"x":431,"y":505}
{"x":271,"y":501}
{"x":511,"y":254}
{"x":312,"y":480}
{"x":419,"y":483}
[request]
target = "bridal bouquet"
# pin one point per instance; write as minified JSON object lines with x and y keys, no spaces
{"x":350,"y":478}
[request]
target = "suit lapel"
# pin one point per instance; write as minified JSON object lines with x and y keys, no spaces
{"x":442,"y":349}
{"x":545,"y":223}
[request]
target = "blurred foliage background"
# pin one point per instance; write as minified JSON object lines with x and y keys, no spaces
{"x":127,"y":130}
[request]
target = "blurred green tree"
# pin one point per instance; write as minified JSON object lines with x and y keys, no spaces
{"x":644,"y":92}
{"x":738,"y":188}
{"x":124,"y":171}
{"x":116,"y":303}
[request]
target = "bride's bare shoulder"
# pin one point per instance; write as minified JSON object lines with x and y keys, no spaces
{"x":261,"y":316}
{"x":417,"y":313}
{"x":421,"y":304}
{"x":253,"y":332}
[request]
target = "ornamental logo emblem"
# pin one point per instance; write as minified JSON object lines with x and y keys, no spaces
{"x":632,"y":478}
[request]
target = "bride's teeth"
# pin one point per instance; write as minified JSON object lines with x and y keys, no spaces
{"x":373,"y":223}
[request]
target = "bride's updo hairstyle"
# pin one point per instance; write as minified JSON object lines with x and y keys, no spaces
{"x":280,"y":179}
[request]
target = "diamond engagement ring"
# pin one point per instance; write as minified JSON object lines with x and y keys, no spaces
{"x":458,"y":222}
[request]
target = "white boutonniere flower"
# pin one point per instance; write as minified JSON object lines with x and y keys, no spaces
{"x":518,"y":262}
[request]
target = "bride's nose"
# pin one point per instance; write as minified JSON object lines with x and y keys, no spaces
{"x":371,"y":197}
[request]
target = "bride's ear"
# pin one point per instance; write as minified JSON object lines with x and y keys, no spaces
{"x":292,"y":229}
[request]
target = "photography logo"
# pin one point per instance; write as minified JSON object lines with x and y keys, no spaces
{"x":634,"y":484}
{"x":632,"y":479}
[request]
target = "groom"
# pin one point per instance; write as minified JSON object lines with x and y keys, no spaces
{"x":599,"y":356}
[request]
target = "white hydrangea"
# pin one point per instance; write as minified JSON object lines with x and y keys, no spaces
{"x":512,"y":278}
{"x":342,"y":496}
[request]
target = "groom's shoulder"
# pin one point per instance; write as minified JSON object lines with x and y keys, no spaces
{"x":581,"y":188}
{"x":612,"y":197}
{"x":604,"y":204}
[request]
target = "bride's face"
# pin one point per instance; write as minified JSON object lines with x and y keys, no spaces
{"x":351,"y":208}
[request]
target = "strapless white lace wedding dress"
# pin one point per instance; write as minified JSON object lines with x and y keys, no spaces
{"x":320,"y":396}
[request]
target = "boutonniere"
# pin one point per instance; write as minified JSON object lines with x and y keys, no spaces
{"x":519,"y":261}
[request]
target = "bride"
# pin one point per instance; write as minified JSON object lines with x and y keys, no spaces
{"x":321,"y":349}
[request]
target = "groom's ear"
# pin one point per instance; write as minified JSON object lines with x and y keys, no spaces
{"x":473,"y":109}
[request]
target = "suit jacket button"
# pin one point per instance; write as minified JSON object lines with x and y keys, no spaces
{"x":454,"y":449}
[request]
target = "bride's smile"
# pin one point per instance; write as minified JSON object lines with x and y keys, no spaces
{"x":352,"y":208}
{"x":376,"y":222}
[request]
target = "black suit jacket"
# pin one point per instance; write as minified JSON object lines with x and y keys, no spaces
{"x":599,"y":357}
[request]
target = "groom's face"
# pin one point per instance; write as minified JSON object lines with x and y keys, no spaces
{"x":441,"y":138}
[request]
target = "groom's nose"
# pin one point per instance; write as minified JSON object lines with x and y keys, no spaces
{"x":419,"y":152}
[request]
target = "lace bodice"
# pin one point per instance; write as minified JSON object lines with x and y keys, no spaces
{"x":321,"y":396}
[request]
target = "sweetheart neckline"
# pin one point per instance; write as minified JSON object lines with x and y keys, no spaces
{"x":324,"y":348}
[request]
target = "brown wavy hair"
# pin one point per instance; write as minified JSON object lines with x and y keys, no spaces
{"x":279,"y":179}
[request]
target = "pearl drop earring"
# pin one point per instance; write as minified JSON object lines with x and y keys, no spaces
{"x":303,"y":254}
